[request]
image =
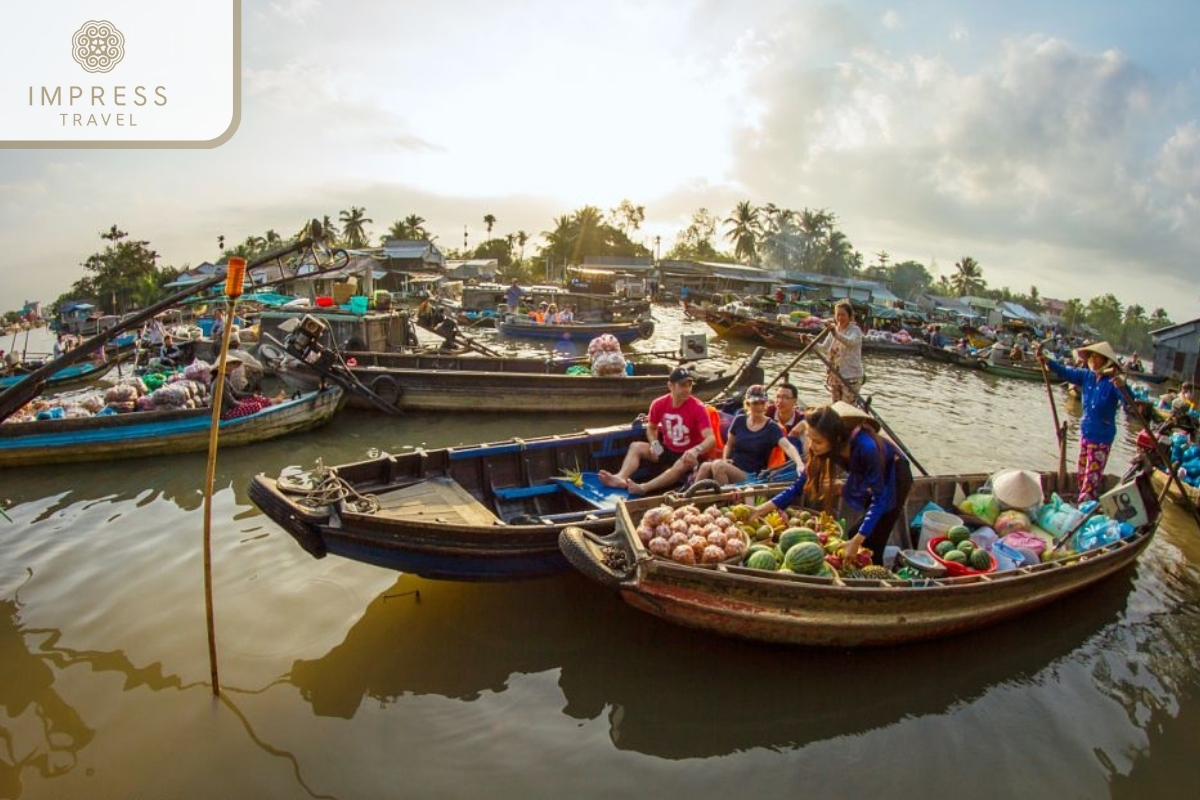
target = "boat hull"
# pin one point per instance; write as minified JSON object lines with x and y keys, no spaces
{"x":472,"y":384}
{"x":156,"y":433}
{"x":487,"y":512}
{"x":583,"y":332}
{"x":834,"y":612}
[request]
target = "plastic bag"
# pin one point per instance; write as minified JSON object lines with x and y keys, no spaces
{"x":984,"y":506}
{"x":1058,"y":516}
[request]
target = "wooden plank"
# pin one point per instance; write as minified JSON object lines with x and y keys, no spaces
{"x":435,"y":500}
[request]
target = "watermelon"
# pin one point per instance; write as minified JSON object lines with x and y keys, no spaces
{"x":958,"y":533}
{"x":981,"y":559}
{"x":967,"y":546}
{"x":805,"y":558}
{"x":794,"y":536}
{"x":762,"y":559}
{"x":957,"y":556}
{"x":942,"y":547}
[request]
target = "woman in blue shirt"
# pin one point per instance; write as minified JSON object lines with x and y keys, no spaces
{"x":877,"y":476}
{"x":749,"y":443}
{"x":1102,"y":386}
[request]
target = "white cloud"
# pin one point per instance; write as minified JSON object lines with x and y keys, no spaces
{"x":891,"y":20}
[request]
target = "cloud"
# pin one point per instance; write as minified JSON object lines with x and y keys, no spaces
{"x":1049,"y":150}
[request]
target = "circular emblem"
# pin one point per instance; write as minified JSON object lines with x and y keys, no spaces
{"x":98,"y":46}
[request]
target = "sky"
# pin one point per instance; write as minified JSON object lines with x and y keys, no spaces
{"x":1057,"y":144}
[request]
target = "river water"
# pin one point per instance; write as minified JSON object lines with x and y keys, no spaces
{"x":341,"y":680}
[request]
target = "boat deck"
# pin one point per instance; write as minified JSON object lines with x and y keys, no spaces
{"x":440,"y":500}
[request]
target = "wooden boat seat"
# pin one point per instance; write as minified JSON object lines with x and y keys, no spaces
{"x":521,"y":492}
{"x":439,"y":499}
{"x":593,"y":491}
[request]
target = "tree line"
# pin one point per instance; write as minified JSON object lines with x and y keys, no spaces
{"x":124,"y":275}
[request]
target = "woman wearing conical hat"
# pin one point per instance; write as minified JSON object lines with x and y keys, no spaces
{"x":1101,"y":383}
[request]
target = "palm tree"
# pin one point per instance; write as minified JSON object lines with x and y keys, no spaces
{"x":271,"y":237}
{"x":353,"y":223}
{"x":522,"y":240}
{"x":489,"y":220}
{"x":744,"y":230}
{"x":968,"y":277}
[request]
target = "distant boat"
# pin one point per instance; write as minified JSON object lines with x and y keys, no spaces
{"x":625,"y":332}
{"x":474,"y":383}
{"x":156,"y":433}
{"x":74,"y":375}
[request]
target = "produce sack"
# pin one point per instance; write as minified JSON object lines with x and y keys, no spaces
{"x":1057,"y":516}
{"x":1099,"y":531}
{"x":608,"y":363}
{"x":984,"y":506}
{"x":1027,"y":541}
{"x":1011,"y":521}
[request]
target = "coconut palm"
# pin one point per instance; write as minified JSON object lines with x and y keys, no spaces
{"x":968,"y":277}
{"x":354,"y":223}
{"x":744,"y":230}
{"x":489,"y":220}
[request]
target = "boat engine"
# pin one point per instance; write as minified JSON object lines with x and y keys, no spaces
{"x":304,"y":343}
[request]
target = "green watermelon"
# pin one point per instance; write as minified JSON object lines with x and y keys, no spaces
{"x":944,"y":546}
{"x":958,"y":533}
{"x":762,"y":559}
{"x":957,"y":556}
{"x":794,"y":536}
{"x":805,"y":558}
{"x":967,"y":546}
{"x":981,"y":559}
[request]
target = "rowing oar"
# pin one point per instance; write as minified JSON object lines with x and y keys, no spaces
{"x":803,"y":352}
{"x":866,"y":406}
{"x":1060,"y":429}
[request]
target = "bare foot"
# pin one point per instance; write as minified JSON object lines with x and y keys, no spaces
{"x":611,"y":480}
{"x":635,"y":489}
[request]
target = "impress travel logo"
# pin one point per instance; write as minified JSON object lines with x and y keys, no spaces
{"x":121,"y":74}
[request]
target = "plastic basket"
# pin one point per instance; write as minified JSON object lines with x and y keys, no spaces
{"x":953,"y":568}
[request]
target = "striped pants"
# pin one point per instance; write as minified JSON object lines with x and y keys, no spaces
{"x":1093,"y":457}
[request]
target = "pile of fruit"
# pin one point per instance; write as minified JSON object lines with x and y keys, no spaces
{"x":957,"y":548}
{"x":689,"y":535}
{"x":804,"y":543}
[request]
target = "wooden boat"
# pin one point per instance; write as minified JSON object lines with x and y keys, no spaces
{"x":809,"y":610}
{"x":625,"y":332}
{"x":73,"y":375}
{"x":1146,"y":377}
{"x":480,"y":512}
{"x":1008,"y":369}
{"x":1181,"y":493}
{"x":724,"y":323}
{"x":946,"y":356}
{"x":472,"y":383}
{"x":155,"y":433}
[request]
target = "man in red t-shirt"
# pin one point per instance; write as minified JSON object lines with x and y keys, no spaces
{"x":677,"y":434}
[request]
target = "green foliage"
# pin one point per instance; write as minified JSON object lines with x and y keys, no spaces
{"x":584,"y":233}
{"x":498,"y":249}
{"x":122,"y":276}
{"x":354,"y":224}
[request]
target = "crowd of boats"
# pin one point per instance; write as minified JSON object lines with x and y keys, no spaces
{"x":528,"y":507}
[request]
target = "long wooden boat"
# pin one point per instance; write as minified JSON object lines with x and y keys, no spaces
{"x":156,"y":433}
{"x":1010,"y":370}
{"x":625,"y":332}
{"x":1146,"y":377}
{"x":946,"y":356}
{"x":472,"y":383}
{"x":73,"y":375}
{"x":478,"y":512}
{"x":724,"y":323}
{"x":1181,"y":493}
{"x":810,"y":610}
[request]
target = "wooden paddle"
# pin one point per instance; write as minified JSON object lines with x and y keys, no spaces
{"x":1060,"y":429}
{"x":801,"y":355}
{"x":866,"y":406}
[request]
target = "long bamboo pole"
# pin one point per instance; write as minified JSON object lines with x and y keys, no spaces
{"x":233,"y":290}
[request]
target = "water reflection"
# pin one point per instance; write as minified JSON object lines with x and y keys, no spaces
{"x":667,"y":691}
{"x":40,"y":731}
